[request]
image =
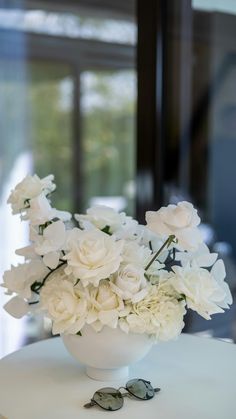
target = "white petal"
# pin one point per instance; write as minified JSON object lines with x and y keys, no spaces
{"x":109,"y":318}
{"x":27,"y":251}
{"x":51,"y":260}
{"x":218,"y":270}
{"x":16,"y":307}
{"x":63,"y":215}
{"x":206,"y":260}
{"x":53,"y":238}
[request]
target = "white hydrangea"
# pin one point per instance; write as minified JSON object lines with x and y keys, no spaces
{"x":158,"y":314}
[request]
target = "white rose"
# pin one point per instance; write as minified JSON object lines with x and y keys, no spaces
{"x":65,"y":304}
{"x":102,"y":216}
{"x":158,"y":314}
{"x":201,"y":290}
{"x":93,"y":255}
{"x":20,"y":278}
{"x":130,"y":283}
{"x":30,"y":187}
{"x":181,"y":220}
{"x":105,"y":306}
{"x":135,"y":254}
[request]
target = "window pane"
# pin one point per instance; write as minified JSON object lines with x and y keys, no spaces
{"x":36,"y":136}
{"x":108,"y":143}
{"x":201,"y":140}
{"x":44,"y":47}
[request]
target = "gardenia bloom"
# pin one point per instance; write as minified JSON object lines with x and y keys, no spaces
{"x":65,"y":304}
{"x":30,"y":187}
{"x":20,"y":278}
{"x":105,"y":306}
{"x":93,"y":255}
{"x":130,"y":283}
{"x":203,"y":292}
{"x":102,"y":216}
{"x":180,"y":220}
{"x":158,"y":314}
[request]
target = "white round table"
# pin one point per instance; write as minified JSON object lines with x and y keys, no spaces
{"x":197,"y":377}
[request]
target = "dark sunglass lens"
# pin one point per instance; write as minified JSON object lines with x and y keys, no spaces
{"x":109,"y":398}
{"x":141,"y":389}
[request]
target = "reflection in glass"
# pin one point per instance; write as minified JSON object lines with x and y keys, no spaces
{"x":36,"y":137}
{"x":201,"y":140}
{"x":69,"y":25}
{"x":108,"y":143}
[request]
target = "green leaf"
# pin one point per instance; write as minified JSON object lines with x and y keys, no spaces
{"x":181,"y":297}
{"x":76,"y":282}
{"x":79,"y":333}
{"x":106,"y":230}
{"x":27,"y":203}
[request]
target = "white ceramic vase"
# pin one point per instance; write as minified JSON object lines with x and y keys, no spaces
{"x":107,"y":354}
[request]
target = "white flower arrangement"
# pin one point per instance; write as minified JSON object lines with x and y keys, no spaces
{"x":105,"y":269}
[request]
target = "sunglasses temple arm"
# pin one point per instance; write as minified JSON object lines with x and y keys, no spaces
{"x":90,"y":404}
{"x":157,"y":390}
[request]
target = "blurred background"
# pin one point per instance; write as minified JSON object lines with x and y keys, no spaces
{"x":128,"y":103}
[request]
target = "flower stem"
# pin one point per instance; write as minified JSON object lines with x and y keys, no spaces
{"x":35,"y":288}
{"x":167,"y":243}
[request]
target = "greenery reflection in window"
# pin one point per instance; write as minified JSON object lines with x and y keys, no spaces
{"x":108,"y":103}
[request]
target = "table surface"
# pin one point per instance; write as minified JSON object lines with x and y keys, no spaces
{"x":197,"y":377}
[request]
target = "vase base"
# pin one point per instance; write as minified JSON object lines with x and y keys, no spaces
{"x":103,"y":374}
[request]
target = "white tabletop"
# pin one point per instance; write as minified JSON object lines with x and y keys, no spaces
{"x":197,"y":377}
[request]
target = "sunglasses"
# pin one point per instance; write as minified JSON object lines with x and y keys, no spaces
{"x":112,"y":399}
